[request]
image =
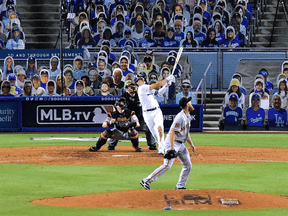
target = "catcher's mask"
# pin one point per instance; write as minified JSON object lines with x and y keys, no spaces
{"x":130,"y":87}
{"x":121,"y":105}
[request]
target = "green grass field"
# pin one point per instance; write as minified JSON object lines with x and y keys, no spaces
{"x":20,"y":183}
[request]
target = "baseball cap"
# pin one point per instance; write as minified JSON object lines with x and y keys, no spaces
{"x":178,"y":16}
{"x":235,"y":82}
{"x":183,"y":101}
{"x":35,"y":76}
{"x":127,"y":31}
{"x":106,"y":42}
{"x":172,"y":53}
{"x":198,"y":10}
{"x":256,"y":96}
{"x":15,"y":29}
{"x":264,"y":72}
{"x":119,"y":8}
{"x":202,"y":2}
{"x":31,"y":59}
{"x":221,"y":3}
{"x":186,"y":82}
{"x":129,"y":43}
{"x":11,"y":77}
{"x":10,"y":7}
{"x":171,"y":60}
{"x":242,"y":3}
{"x":233,"y":96}
{"x":43,"y":72}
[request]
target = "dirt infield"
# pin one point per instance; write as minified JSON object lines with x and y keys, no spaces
{"x":177,"y":199}
{"x":76,"y":155}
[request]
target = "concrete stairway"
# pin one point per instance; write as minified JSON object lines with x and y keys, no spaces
{"x":263,"y":33}
{"x":213,"y":110}
{"x":40,"y":21}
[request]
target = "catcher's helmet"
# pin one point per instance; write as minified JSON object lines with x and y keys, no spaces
{"x":121,"y":102}
{"x":141,"y":75}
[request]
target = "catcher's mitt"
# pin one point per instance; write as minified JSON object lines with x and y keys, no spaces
{"x":170,"y":154}
{"x":125,"y":125}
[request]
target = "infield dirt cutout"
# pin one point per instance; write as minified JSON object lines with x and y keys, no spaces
{"x":177,"y":199}
{"x":153,"y":199}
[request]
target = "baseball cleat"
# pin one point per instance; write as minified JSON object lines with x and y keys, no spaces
{"x":145,"y":185}
{"x":182,"y":188}
{"x":93,"y":149}
{"x":139,"y":150}
{"x":111,"y":148}
{"x":152,"y":148}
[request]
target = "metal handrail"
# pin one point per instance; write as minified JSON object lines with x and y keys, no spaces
{"x":285,"y":11}
{"x":199,"y":85}
{"x":202,"y":85}
{"x":274,"y":23}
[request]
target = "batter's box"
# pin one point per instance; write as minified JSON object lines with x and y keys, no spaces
{"x":229,"y":202}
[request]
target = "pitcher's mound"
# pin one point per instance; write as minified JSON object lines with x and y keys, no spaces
{"x":177,"y":199}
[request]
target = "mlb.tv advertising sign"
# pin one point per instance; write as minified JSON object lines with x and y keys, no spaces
{"x":65,"y":113}
{"x":84,"y":114}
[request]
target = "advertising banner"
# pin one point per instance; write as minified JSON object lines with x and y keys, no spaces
{"x":40,"y":53}
{"x":65,"y":113}
{"x":10,"y":117}
{"x":84,"y":114}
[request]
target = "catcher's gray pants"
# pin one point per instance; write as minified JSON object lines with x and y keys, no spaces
{"x":184,"y":157}
{"x":118,"y":135}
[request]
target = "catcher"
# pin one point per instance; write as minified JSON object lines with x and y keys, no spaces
{"x":124,"y":122}
{"x":175,"y":147}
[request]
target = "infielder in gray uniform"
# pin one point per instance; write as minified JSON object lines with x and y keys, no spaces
{"x":175,"y":147}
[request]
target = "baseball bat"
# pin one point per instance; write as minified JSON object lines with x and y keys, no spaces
{"x":177,"y":59}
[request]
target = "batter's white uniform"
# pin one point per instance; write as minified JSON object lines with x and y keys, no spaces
{"x":152,"y":114}
{"x":181,"y":124}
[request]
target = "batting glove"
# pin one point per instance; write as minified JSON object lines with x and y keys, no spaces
{"x":170,"y":78}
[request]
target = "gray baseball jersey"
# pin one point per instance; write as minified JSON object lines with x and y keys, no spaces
{"x":181,"y":124}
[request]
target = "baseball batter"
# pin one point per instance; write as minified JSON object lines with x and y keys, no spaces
{"x":174,"y":147}
{"x":152,"y":113}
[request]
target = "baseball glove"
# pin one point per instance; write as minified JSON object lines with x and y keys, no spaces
{"x":125,"y":125}
{"x":170,"y":154}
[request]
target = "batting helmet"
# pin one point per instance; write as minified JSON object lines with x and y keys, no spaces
{"x":141,"y":75}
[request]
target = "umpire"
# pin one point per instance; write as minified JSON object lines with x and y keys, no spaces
{"x":134,"y":104}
